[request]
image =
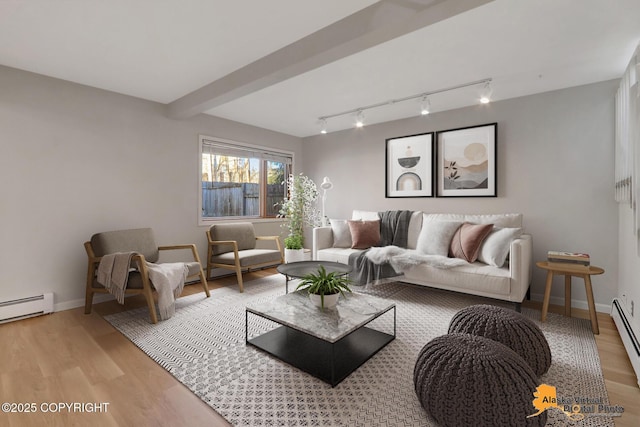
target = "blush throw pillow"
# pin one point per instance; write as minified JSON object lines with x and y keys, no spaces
{"x":341,"y":233}
{"x":467,"y":240}
{"x":435,"y":237}
{"x":496,"y":246}
{"x":364,"y":234}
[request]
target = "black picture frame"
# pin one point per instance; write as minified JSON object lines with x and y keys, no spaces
{"x":409,"y":166}
{"x":467,"y":161}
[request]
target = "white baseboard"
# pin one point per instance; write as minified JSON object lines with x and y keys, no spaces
{"x":98,"y":298}
{"x":627,"y":334}
{"x":68,"y":305}
{"x":602,"y":308}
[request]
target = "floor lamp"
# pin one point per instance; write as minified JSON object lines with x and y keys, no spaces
{"x":326,"y":185}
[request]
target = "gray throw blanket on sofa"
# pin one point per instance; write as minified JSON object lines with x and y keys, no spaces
{"x":394,"y":227}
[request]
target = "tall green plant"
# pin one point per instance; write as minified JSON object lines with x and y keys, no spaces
{"x":299,"y":209}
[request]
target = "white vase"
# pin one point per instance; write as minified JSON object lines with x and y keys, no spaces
{"x":293,"y":255}
{"x":330,"y":301}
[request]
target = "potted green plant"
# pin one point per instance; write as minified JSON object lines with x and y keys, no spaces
{"x":293,"y":242}
{"x":298,"y":209}
{"x":325,"y":288}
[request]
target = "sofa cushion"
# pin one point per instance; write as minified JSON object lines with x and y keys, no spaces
{"x":365,"y":215}
{"x":364,"y":234}
{"x":435,"y":236}
{"x":341,"y":233}
{"x":467,"y":239}
{"x":340,"y":255}
{"x":476,"y":278}
{"x":511,"y":220}
{"x":496,"y":246}
{"x":249,"y":257}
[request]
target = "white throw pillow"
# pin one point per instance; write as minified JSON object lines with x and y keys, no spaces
{"x":496,"y":246}
{"x":341,"y":233}
{"x":435,"y":237}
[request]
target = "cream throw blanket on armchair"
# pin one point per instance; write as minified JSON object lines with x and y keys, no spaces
{"x":168,"y":279}
{"x":113,"y":273}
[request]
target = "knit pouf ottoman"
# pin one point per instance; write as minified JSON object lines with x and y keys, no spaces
{"x":508,"y":327}
{"x":467,"y":380}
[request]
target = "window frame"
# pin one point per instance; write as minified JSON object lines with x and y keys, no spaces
{"x":236,"y":145}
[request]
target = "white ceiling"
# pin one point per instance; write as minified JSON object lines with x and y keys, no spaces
{"x":164,"y":50}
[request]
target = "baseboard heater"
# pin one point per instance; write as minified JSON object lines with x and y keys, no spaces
{"x":629,"y":338}
{"x":26,"y":307}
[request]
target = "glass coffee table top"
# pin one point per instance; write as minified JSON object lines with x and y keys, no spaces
{"x":300,"y":269}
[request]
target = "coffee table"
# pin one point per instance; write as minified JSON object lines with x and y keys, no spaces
{"x":300,"y":269}
{"x":329,"y":344}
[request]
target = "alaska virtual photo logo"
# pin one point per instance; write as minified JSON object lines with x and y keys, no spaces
{"x":574,"y":407}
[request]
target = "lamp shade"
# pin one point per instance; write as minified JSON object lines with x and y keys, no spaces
{"x":326,"y":183}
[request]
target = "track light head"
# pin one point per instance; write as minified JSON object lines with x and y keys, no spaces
{"x":323,"y":126}
{"x":425,"y":106}
{"x":485,"y":96}
{"x":360,"y":119}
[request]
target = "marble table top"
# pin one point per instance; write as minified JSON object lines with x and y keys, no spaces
{"x":296,"y":311}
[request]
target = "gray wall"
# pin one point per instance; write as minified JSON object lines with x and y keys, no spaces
{"x":76,"y":160}
{"x":555,"y":165}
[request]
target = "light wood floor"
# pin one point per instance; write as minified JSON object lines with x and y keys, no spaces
{"x":619,"y":377}
{"x":72,"y":357}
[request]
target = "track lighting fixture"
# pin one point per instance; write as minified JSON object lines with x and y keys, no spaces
{"x":425,"y":104}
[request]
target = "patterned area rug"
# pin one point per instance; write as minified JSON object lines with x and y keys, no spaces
{"x":203,"y":346}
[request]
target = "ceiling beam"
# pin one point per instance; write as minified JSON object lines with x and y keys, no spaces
{"x":373,"y":25}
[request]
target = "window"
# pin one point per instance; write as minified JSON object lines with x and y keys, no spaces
{"x":241,"y":181}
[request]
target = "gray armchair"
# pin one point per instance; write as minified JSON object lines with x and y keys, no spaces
{"x":142,"y":241}
{"x":233,"y":246}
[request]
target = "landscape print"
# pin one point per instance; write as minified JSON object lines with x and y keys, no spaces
{"x":466,"y":159}
{"x":466,"y":166}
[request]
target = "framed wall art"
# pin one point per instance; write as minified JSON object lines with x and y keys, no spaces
{"x":466,"y":162}
{"x":409,"y":166}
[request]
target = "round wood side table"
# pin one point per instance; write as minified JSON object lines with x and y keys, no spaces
{"x":567,"y":272}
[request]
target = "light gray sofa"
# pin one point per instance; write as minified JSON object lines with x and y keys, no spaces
{"x":487,"y":277}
